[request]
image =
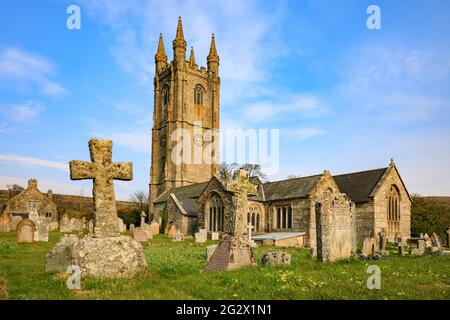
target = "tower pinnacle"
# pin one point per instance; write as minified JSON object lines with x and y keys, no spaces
{"x":213,"y":58}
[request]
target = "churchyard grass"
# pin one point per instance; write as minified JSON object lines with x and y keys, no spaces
{"x":176,"y":272}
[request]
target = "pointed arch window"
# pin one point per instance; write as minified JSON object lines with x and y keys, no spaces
{"x":216,"y":213}
{"x":165,"y":102}
{"x":198,"y":95}
{"x":393,"y":213}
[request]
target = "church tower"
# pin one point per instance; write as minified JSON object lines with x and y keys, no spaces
{"x":186,"y":99}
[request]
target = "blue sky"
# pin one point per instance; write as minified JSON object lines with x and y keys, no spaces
{"x":345,"y":98}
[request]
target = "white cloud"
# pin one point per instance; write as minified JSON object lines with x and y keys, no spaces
{"x":24,"y":112}
{"x":306,"y":105}
{"x":27,"y":70}
{"x":33,"y":162}
{"x":303,"y":133}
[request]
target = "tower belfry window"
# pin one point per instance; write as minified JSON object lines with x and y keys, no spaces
{"x":198,"y":95}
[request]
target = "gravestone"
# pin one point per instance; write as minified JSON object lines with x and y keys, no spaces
{"x":335,"y":227}
{"x":382,"y":242}
{"x":33,"y":215}
{"x":42,"y":229}
{"x":143,"y":215}
{"x":148,"y":230}
{"x":234,"y":250}
{"x":139,"y":235}
{"x":214,"y":236}
{"x":154,"y":227}
{"x":15,"y":220}
{"x":65,"y":219}
{"x":25,"y":231}
{"x":171,"y":230}
{"x":276,"y":259}
{"x":132,"y":228}
{"x":5,"y":222}
{"x":249,"y":235}
{"x":177,"y":237}
{"x":201,"y":236}
{"x":61,"y":256}
{"x":122,"y":226}
{"x":106,"y":253}
{"x":435,"y":241}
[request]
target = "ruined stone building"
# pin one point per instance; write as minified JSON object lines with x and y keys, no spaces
{"x":192,"y":197}
{"x":32,"y":201}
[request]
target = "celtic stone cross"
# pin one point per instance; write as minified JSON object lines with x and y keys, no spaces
{"x":102,"y":170}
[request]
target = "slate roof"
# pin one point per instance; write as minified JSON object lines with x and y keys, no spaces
{"x":288,"y":189}
{"x":359,"y":185}
{"x":187,"y":192}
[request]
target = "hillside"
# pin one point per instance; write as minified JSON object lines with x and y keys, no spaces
{"x":442,"y":200}
{"x":74,"y":206}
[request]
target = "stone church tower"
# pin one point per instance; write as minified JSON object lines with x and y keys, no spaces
{"x":186,"y":97}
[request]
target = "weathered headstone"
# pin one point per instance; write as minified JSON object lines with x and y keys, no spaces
{"x":122,"y":226}
{"x":171,"y":230}
{"x":65,"y":219}
{"x":5,"y":222}
{"x":177,"y":237}
{"x":201,"y":236}
{"x":132,"y":228}
{"x":154,"y":226}
{"x":234,"y":250}
{"x":214,"y":236}
{"x":106,"y":253}
{"x":61,"y":256}
{"x":276,"y":259}
{"x":139,"y":235}
{"x":33,"y":215}
{"x":335,"y":227}
{"x":91,"y":227}
{"x":25,"y":231}
{"x":420,"y":250}
{"x":42,"y":229}
{"x":435,"y":241}
{"x":143,"y":215}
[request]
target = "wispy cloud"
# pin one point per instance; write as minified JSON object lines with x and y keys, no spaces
{"x":303,"y":133}
{"x":25,"y":112}
{"x":306,"y":105}
{"x":33,"y":162}
{"x":27,"y":70}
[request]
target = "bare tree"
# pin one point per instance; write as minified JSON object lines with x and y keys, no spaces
{"x":254,"y":170}
{"x":140,"y":199}
{"x":226,"y":170}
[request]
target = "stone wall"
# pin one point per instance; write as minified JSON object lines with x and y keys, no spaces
{"x":364,"y":220}
{"x":381,"y":196}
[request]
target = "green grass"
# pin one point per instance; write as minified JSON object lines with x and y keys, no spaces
{"x":176,"y":272}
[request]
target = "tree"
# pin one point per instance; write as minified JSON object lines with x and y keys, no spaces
{"x":140,"y":199}
{"x":13,"y":189}
{"x":254,"y":170}
{"x":226,"y":170}
{"x":428,"y":216}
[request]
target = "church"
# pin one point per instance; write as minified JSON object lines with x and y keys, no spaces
{"x":192,"y":197}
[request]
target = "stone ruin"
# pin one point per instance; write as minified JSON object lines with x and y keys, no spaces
{"x":104,"y":253}
{"x":335,"y":227}
{"x":234,"y":250}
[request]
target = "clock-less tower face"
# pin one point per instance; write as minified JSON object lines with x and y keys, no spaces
{"x":186,"y":97}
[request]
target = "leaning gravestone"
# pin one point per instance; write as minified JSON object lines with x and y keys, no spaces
{"x":25,"y":231}
{"x":106,"y":253}
{"x":234,"y":250}
{"x":335,"y":227}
